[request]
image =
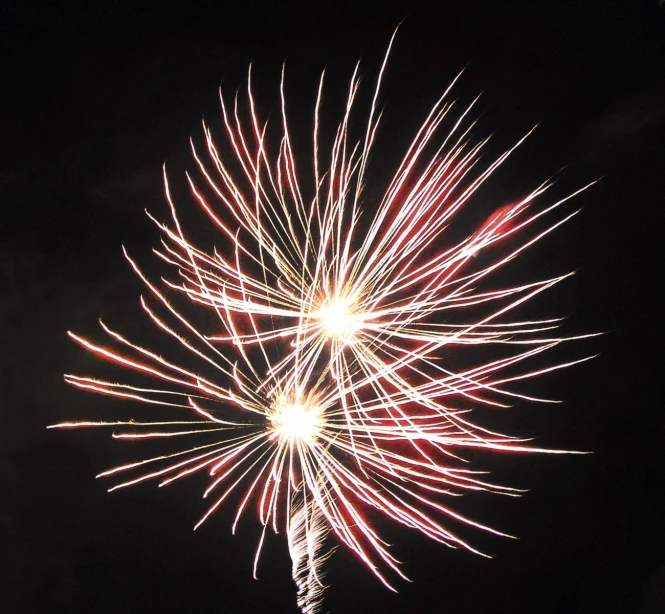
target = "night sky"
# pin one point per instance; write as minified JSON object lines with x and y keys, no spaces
{"x":95,"y":97}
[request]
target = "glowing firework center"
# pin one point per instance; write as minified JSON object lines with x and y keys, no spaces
{"x":296,"y":420}
{"x":338,"y":319}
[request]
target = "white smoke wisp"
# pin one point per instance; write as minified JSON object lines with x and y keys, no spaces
{"x":307,"y":531}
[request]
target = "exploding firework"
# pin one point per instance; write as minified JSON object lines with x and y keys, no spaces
{"x":325,"y":386}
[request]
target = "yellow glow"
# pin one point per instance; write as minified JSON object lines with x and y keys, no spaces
{"x":296,"y":420}
{"x":338,"y":319}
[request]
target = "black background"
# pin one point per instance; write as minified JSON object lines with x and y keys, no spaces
{"x":95,"y":96}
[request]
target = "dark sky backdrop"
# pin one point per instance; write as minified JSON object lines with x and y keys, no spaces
{"x":95,"y":96}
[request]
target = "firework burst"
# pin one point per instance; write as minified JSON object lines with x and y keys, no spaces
{"x":322,"y":391}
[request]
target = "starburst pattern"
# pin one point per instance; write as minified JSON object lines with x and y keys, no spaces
{"x":327,"y":383}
